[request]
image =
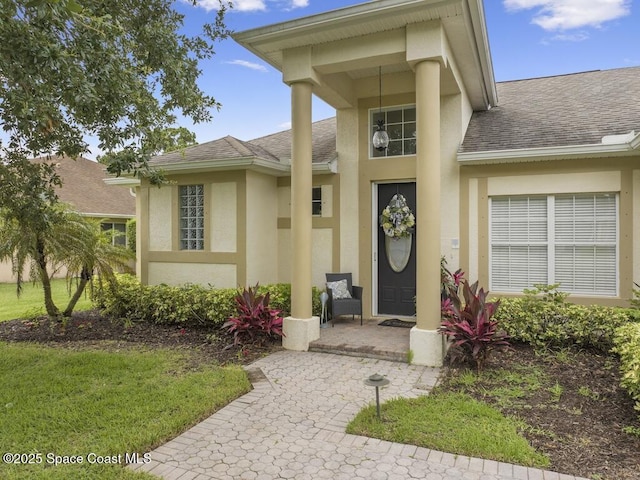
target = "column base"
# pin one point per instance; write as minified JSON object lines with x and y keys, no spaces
{"x":428,"y":347}
{"x":299,"y":332}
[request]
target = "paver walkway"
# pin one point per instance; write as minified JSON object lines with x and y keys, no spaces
{"x":292,"y":425}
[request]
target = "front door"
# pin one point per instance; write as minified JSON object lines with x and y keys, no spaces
{"x":396,"y":282}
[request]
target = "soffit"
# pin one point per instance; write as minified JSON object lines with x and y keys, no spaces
{"x":462,"y":21}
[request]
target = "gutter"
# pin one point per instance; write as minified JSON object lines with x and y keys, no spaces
{"x":609,"y":147}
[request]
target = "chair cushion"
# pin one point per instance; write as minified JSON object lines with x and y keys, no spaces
{"x":339,"y":289}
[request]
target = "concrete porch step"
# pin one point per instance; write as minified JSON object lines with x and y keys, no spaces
{"x":370,"y":340}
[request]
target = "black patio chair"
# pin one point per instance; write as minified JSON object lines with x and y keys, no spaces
{"x":344,"y":306}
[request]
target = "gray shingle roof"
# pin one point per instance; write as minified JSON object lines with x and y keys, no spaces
{"x":323,"y":137}
{"x":275,"y":147}
{"x":567,"y":110}
{"x":226,"y":148}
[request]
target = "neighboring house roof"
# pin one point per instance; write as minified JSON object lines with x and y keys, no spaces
{"x":83,"y":187}
{"x":566,"y":110}
{"x":271,"y":152}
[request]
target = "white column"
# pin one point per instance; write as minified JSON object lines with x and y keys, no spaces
{"x":301,"y":328}
{"x":425,"y":341}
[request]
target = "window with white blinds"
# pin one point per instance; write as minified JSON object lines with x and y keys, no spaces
{"x":566,"y":239}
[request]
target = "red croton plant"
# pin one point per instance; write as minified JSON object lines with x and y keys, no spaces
{"x":469,"y":325}
{"x":255,"y":317}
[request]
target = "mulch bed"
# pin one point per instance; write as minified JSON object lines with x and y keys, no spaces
{"x":89,"y":328}
{"x":581,"y":434}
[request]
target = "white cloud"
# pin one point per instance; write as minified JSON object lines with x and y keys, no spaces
{"x":253,"y":5}
{"x":251,"y":65}
{"x":238,"y":5}
{"x":569,"y":14}
{"x":571,"y":37}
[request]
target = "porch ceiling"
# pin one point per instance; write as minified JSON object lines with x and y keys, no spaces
{"x":381,"y":20}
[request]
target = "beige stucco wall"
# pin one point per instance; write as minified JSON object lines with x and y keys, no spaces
{"x":160,"y":226}
{"x":349,"y":217}
{"x":175,"y":273}
{"x":262,"y":229}
{"x":479,"y":183}
{"x":325,"y":236}
{"x":224,"y":217}
{"x":321,"y":253}
{"x":223,"y":261}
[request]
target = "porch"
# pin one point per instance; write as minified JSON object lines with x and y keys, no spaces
{"x":369,"y":340}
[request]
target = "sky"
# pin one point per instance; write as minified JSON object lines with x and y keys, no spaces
{"x":528,"y":39}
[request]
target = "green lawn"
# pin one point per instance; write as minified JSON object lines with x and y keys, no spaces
{"x":454,"y":423}
{"x":93,"y":404}
{"x":31,"y":300}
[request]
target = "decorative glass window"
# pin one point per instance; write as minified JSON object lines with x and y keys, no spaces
{"x":316,"y":201}
{"x":118,"y":232}
{"x":400,"y":123}
{"x":566,"y":239}
{"x":192,"y":217}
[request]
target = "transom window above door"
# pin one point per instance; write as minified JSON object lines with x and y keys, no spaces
{"x":400,"y":123}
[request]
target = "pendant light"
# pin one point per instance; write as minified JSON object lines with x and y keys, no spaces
{"x":380,"y":136}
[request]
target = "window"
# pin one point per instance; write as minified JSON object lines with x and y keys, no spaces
{"x":400,"y":123}
{"x":566,"y":239}
{"x":316,"y":201}
{"x":192,"y":217}
{"x":118,"y":232}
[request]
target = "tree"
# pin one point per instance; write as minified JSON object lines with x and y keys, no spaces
{"x":119,"y":70}
{"x":63,"y":239}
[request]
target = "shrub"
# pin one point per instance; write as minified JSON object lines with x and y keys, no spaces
{"x":449,"y":282}
{"x":543,"y":318}
{"x":470,"y":327}
{"x":627,"y":346}
{"x":255,"y":318}
{"x":131,"y":234}
{"x":128,"y":299}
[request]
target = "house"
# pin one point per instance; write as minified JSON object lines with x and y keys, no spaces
{"x":518,"y":183}
{"x":84,"y":189}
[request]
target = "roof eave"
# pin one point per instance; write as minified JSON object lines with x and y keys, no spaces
{"x":108,"y":215}
{"x":567,"y":152}
{"x":247,"y":163}
{"x":122,"y":181}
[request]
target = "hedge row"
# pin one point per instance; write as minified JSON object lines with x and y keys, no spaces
{"x":545,"y":324}
{"x":627,"y":346}
{"x":128,"y":299}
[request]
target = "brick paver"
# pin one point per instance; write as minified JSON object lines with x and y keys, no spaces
{"x":292,"y":425}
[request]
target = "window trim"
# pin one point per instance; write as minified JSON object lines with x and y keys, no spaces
{"x":316,"y":201}
{"x":112,"y":224}
{"x":372,"y":124}
{"x":201,"y":244}
{"x":551,"y":243}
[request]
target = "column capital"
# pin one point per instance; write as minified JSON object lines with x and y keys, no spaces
{"x":297,"y":66}
{"x":426,"y":42}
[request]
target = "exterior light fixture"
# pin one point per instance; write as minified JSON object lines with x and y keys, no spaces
{"x":377,"y":381}
{"x":380,"y":136}
{"x":324,"y":297}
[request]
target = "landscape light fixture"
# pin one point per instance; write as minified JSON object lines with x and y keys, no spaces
{"x":380,"y":136}
{"x":377,"y":380}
